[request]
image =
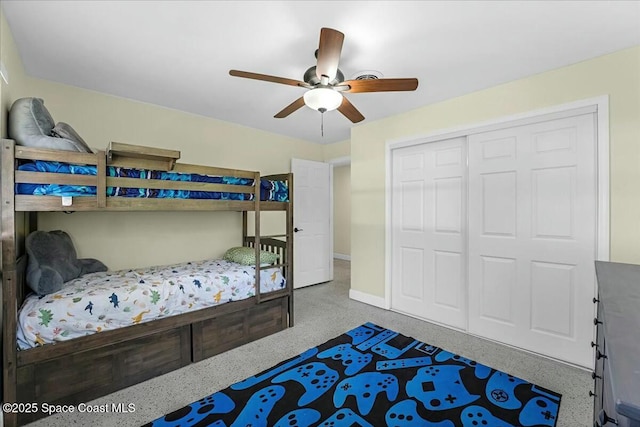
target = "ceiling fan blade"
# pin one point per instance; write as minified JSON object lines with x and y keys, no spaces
{"x":329,"y":53}
{"x":349,"y":111}
{"x":267,"y":78}
{"x":295,"y":105}
{"x":379,"y":85}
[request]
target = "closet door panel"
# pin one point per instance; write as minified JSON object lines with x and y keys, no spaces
{"x":496,"y":289}
{"x":429,"y":232}
{"x":532,"y":204}
{"x":408,"y":212}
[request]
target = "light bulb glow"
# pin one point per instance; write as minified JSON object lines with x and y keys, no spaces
{"x":323,"y":98}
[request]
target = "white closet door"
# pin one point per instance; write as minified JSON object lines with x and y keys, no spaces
{"x":532,"y":230}
{"x":428,"y":236}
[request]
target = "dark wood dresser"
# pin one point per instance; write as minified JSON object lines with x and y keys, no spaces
{"x":617,"y":348}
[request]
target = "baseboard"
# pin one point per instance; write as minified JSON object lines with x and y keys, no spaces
{"x":367,"y":298}
{"x":342,"y":256}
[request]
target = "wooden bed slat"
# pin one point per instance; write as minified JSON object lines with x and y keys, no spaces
{"x":180,"y":168}
{"x":213,"y":171}
{"x":25,"y":203}
{"x":277,"y":177}
{"x":54,"y":178}
{"x":177,"y":185}
{"x":89,"y":203}
{"x":72,"y":157}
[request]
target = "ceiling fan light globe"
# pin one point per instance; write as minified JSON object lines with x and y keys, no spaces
{"x":322,"y":98}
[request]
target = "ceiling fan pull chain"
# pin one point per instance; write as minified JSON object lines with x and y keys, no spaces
{"x":322,"y":125}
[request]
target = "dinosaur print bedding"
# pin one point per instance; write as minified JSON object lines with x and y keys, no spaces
{"x":104,"y":301}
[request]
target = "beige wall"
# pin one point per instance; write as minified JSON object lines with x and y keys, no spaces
{"x":342,"y":210}
{"x":616,"y":75}
{"x":11,"y":60}
{"x":137,"y":239}
{"x":13,"y":64}
{"x":341,"y":196}
{"x":337,"y":150}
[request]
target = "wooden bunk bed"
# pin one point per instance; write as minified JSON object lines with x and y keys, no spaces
{"x":81,"y":369}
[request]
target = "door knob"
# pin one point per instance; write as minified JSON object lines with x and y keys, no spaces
{"x":296,"y":229}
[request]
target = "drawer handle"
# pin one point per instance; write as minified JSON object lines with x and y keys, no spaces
{"x":594,"y":376}
{"x":594,"y":345}
{"x":600,"y":355}
{"x":596,"y":321}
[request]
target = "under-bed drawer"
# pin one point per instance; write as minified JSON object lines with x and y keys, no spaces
{"x":222,"y":333}
{"x":83,"y":376}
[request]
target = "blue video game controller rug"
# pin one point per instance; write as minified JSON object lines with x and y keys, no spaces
{"x":374,"y":377}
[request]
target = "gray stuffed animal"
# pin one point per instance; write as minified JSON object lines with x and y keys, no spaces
{"x":31,"y":124}
{"x":52,"y":261}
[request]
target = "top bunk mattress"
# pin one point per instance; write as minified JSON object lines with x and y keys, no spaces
{"x":104,"y":301}
{"x":276,"y":191}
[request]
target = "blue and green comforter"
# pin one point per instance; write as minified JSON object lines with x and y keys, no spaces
{"x":269,"y":190}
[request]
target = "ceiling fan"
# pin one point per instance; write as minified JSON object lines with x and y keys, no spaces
{"x":326,"y":82}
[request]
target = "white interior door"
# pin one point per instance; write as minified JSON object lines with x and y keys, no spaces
{"x":532,"y":236}
{"x":429,"y":231}
{"x":313,"y":240}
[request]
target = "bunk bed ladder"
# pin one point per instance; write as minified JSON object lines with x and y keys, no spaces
{"x":283,"y":249}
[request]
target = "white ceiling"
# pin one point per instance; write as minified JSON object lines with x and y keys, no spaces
{"x":178,"y":54}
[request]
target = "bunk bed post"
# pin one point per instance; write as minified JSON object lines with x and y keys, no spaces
{"x":9,"y":281}
{"x":244,"y":228}
{"x":256,"y":242}
{"x":101,"y":188}
{"x":289,"y":260}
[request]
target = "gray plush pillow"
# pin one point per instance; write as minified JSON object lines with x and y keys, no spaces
{"x":52,"y":261}
{"x":63,"y":130}
{"x":30,"y":124}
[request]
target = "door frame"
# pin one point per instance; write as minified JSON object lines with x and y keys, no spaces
{"x":598,"y":105}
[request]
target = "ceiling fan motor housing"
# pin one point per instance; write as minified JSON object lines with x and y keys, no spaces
{"x":311,"y":77}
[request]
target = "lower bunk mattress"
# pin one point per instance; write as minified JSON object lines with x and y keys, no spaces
{"x":104,"y":301}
